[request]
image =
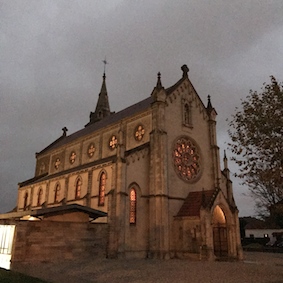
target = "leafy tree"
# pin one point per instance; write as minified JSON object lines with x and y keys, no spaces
{"x":256,"y":132}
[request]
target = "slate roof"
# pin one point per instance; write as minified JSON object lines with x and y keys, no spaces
{"x":129,"y":111}
{"x":194,"y":202}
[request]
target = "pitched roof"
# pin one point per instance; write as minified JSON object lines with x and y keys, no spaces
{"x":129,"y":111}
{"x":196,"y":200}
{"x":58,"y":210}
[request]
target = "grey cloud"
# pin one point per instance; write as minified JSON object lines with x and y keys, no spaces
{"x":51,"y":64}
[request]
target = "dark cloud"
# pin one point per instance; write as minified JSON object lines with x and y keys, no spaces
{"x":51,"y":64}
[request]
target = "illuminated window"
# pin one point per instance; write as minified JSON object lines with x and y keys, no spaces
{"x":102,"y":183}
{"x":91,"y":150}
{"x":133,"y":206}
{"x":78,"y":188}
{"x":73,"y":157}
{"x":113,"y":142}
{"x":57,"y":193}
{"x":186,"y":159}
{"x":139,"y":132}
{"x":39,"y":196}
{"x":57,"y":163}
{"x":26,"y":201}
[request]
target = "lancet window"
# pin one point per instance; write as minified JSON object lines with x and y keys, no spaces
{"x":133,"y":206}
{"x":57,"y":193}
{"x":78,"y":188}
{"x":102,"y":184}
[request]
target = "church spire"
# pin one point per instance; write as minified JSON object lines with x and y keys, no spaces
{"x":102,"y":109}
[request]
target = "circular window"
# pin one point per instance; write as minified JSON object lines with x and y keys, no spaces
{"x":72,"y":157}
{"x":91,"y":150}
{"x":57,"y":163}
{"x":139,"y":132}
{"x":113,"y":142}
{"x":186,"y":159}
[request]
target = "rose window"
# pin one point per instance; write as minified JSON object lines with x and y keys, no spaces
{"x":139,"y":132}
{"x":186,"y":159}
{"x":91,"y":150}
{"x":113,"y":142}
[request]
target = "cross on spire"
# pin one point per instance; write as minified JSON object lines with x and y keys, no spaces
{"x":105,"y":62}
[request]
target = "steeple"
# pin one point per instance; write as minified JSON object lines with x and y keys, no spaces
{"x":102,"y":109}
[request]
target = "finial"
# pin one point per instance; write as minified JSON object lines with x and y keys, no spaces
{"x":64,"y":131}
{"x":185,"y":70}
{"x":209,"y":105}
{"x":105,"y":63}
{"x":158,"y":84}
{"x":225,"y":157}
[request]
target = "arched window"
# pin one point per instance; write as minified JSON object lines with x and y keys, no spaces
{"x":133,"y":206}
{"x":39,"y":196}
{"x":26,"y":200}
{"x":57,"y":193}
{"x":78,"y":188}
{"x":102,"y":183}
{"x":187,"y":114}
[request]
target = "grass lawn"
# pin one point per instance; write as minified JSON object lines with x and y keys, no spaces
{"x":8,"y":276}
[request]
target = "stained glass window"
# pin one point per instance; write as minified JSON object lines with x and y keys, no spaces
{"x":91,"y":150}
{"x":186,"y":159}
{"x":139,"y":132}
{"x":78,"y":188}
{"x":72,"y":157}
{"x":113,"y":142}
{"x":102,"y":183}
{"x":57,"y":163}
{"x":133,"y":206}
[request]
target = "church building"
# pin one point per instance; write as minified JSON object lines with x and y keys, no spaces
{"x":150,"y":173}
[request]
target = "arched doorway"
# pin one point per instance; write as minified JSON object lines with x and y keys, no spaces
{"x":220,"y":240}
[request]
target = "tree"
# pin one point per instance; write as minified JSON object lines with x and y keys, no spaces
{"x":256,"y":132}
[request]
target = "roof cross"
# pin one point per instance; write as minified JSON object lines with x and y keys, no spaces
{"x":105,"y":62}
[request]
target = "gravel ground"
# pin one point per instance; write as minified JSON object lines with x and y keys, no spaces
{"x":256,"y":267}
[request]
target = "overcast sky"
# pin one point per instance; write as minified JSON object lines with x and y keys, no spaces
{"x":51,"y":66}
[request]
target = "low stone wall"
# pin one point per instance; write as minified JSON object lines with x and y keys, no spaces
{"x":49,"y":241}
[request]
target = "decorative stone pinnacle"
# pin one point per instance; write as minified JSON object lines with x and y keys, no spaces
{"x":159,"y":84}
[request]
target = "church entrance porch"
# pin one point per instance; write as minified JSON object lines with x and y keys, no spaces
{"x":220,"y":242}
{"x":220,"y":237}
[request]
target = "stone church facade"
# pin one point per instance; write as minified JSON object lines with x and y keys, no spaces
{"x":154,"y":170}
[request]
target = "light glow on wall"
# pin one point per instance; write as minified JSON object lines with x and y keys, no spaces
{"x":6,"y":244}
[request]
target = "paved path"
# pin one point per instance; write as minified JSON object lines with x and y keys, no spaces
{"x":256,"y":268}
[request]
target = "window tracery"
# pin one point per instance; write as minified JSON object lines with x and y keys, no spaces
{"x":78,"y":188}
{"x":91,"y":150}
{"x":57,"y":193}
{"x":133,"y":206}
{"x":57,"y":163}
{"x":113,"y":142}
{"x":102,"y":184}
{"x":187,"y":114}
{"x":139,"y":132}
{"x":72,"y":157}
{"x":186,"y":159}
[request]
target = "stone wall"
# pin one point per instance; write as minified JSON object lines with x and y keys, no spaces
{"x":49,"y":241}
